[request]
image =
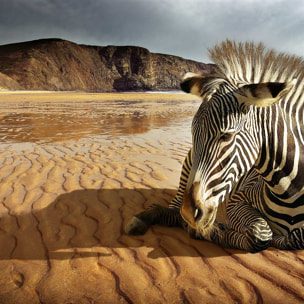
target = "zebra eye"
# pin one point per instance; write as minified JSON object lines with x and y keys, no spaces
{"x":226,"y":136}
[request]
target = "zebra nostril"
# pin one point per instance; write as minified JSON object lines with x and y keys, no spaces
{"x":197,"y":214}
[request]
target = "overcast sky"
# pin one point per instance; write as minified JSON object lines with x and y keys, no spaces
{"x":184,"y":28}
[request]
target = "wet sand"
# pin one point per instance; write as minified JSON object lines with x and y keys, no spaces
{"x":74,"y":168}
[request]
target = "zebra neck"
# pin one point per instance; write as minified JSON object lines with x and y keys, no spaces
{"x":279,"y":162}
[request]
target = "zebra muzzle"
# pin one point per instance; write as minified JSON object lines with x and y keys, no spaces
{"x":190,"y":209}
{"x":193,"y":210}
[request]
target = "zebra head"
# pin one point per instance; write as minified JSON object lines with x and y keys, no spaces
{"x":226,"y":143}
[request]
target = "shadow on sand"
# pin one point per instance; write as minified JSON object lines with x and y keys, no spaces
{"x":90,"y":223}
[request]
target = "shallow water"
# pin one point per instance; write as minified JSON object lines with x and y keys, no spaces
{"x":47,"y":121}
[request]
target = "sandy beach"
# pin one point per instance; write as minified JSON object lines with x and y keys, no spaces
{"x":74,"y":168}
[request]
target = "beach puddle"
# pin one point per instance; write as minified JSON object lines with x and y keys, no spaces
{"x":45,"y":121}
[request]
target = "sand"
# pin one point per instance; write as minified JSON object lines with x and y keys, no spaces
{"x":74,"y":168}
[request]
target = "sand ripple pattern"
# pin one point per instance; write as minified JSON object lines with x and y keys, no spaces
{"x":63,"y":207}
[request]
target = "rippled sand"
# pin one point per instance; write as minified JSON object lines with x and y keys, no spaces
{"x":74,"y":168}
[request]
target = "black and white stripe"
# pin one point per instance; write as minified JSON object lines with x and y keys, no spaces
{"x":247,"y":154}
{"x":275,"y":200}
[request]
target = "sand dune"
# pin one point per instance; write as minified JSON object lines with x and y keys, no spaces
{"x":66,"y":198}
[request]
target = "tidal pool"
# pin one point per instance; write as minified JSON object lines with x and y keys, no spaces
{"x":45,"y":117}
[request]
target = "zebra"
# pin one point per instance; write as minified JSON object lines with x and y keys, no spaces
{"x":242,"y":182}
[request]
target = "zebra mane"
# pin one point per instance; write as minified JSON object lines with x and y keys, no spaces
{"x":245,"y":63}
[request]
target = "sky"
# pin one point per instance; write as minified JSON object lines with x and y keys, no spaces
{"x":185,"y":28}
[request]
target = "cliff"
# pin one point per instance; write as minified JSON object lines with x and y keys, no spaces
{"x":55,"y":64}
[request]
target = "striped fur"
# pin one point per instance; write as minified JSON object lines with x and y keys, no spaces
{"x":247,"y":155}
{"x":186,"y":168}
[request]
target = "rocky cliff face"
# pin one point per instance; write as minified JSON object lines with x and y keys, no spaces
{"x":54,"y":64}
{"x":7,"y":83}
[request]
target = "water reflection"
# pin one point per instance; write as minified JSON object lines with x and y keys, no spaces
{"x":47,"y":122}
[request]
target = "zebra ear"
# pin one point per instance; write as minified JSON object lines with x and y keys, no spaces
{"x":263,"y":94}
{"x":192,"y":83}
{"x":200,"y":85}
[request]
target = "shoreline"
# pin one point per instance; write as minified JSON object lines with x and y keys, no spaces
{"x":179,"y":94}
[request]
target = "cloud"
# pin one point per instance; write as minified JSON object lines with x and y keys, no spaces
{"x":183,"y":28}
